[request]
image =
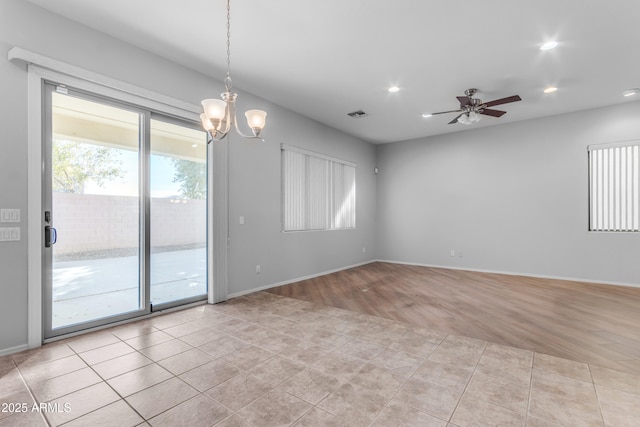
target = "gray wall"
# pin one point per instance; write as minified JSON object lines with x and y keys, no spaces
{"x":254,"y":186}
{"x":511,"y":198}
{"x":254,"y":167}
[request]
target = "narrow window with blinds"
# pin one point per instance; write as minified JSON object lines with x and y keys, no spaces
{"x":318,"y":192}
{"x":614,"y":187}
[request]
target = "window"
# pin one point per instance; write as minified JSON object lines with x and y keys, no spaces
{"x":319,"y":192}
{"x":614,"y":186}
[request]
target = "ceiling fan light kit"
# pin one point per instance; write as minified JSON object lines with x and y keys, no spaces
{"x":471,"y":108}
{"x":468,"y":118}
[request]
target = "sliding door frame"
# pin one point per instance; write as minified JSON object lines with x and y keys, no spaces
{"x":144,"y":283}
{"x":193,"y":125}
{"x":41,"y":68}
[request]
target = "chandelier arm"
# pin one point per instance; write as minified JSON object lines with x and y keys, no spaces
{"x":230,"y":98}
{"x":214,"y":137}
{"x":221,"y":134}
{"x":242,"y":134}
{"x":230,"y":112}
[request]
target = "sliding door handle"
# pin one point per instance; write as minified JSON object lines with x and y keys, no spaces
{"x":50,"y":236}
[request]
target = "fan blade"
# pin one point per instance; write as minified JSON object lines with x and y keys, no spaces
{"x":454,"y":120}
{"x":492,"y":113}
{"x":506,"y":100}
{"x":445,"y":112}
{"x":464,"y":100}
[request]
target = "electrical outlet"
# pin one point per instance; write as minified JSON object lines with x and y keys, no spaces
{"x":364,"y":250}
{"x":241,"y":220}
{"x":258,"y":269}
{"x":452,"y":252}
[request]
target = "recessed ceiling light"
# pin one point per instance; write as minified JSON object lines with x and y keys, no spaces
{"x":194,"y":145}
{"x":550,"y":89}
{"x":427,"y":115}
{"x":549,"y":45}
{"x":394,"y":89}
{"x":631,"y":92}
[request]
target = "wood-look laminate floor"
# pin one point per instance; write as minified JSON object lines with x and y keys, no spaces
{"x":591,"y":323}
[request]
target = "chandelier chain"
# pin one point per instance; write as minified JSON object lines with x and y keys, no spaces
{"x":227,"y":80}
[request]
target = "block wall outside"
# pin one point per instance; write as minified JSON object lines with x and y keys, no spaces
{"x":88,"y":222}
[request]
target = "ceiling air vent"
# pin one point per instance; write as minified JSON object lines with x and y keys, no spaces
{"x":357,"y":114}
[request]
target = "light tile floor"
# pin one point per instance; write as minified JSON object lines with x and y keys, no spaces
{"x":265,"y":360}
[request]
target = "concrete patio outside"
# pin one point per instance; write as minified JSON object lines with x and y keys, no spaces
{"x":89,"y":289}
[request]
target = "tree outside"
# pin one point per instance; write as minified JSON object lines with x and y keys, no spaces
{"x":76,"y":163}
{"x":192,"y":177}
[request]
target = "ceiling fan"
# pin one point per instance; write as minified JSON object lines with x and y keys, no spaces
{"x":470,"y":107}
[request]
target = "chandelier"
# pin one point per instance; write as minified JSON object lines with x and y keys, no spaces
{"x":220,"y":114}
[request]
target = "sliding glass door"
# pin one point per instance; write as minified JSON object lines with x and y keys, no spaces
{"x":178,"y":212}
{"x":124,"y":211}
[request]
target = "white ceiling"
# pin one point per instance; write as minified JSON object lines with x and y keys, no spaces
{"x":326,"y":58}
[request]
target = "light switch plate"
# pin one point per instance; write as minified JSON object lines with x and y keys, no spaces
{"x":9,"y":215}
{"x":9,"y":234}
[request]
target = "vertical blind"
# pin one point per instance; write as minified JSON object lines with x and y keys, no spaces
{"x":614,"y":186}
{"x":318,"y":192}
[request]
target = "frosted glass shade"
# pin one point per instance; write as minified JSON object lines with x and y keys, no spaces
{"x":214,"y":108}
{"x":474,"y":117}
{"x":256,"y":118}
{"x":206,"y":123}
{"x":464,"y":119}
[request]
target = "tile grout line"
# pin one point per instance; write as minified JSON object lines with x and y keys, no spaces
{"x":475,"y":368}
{"x":595,"y":389}
{"x":509,"y":381}
{"x":200,"y":393}
{"x":24,"y":381}
{"x":37,"y":401}
{"x":533,"y":362}
{"x":387,"y":347}
{"x":154,"y":362}
{"x":107,"y":384}
{"x":405,"y":382}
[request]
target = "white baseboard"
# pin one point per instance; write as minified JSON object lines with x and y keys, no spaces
{"x":298,"y":279}
{"x":11,"y":350}
{"x":512,"y":273}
